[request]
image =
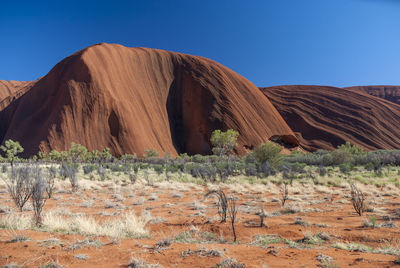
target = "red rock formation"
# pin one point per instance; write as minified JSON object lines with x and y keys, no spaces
{"x":325,"y":117}
{"x":10,"y":90}
{"x":390,"y":93}
{"x":132,"y":99}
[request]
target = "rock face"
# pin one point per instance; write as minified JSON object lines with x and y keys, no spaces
{"x":132,"y":99}
{"x":390,"y":93}
{"x":325,"y":117}
{"x":10,"y":90}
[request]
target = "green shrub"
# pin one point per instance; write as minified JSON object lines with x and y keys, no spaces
{"x":151,"y":153}
{"x":223,"y":142}
{"x":268,"y":152}
{"x":11,"y":149}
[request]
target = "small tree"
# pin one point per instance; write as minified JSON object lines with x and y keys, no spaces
{"x":38,"y":198}
{"x":357,"y":199}
{"x":262,"y":215}
{"x":50,"y":181}
{"x":11,"y":149}
{"x":222,"y":202}
{"x":285,"y":193}
{"x":19,"y":185}
{"x":224,"y":142}
{"x":233,"y":209}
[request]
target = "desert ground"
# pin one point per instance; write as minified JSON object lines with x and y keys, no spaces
{"x":155,"y":222}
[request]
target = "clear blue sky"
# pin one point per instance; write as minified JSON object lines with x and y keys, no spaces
{"x":328,"y":42}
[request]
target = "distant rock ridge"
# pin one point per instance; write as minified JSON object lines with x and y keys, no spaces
{"x":324,"y":117}
{"x":390,"y":93}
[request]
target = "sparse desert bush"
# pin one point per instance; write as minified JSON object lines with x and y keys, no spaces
{"x":19,"y":238}
{"x":194,"y":235}
{"x":201,"y":252}
{"x":223,"y":170}
{"x":4,"y":168}
{"x":266,"y":240}
{"x":87,"y":169}
{"x":84,"y":243}
{"x":352,"y":247}
{"x":194,"y":169}
{"x":345,"y":168}
{"x":230,"y":263}
{"x":326,"y":261}
{"x":50,"y":181}
{"x":69,"y":171}
{"x":82,"y":257}
{"x":11,"y":265}
{"x":300,"y":221}
{"x":197,"y":205}
{"x":294,"y":168}
{"x":357,"y":199}
{"x":139,"y":263}
{"x":311,"y":239}
{"x":116,"y":167}
{"x":324,"y":236}
{"x":371,"y":222}
{"x":146,"y":176}
{"x":164,"y":243}
{"x":102,"y":172}
{"x":388,"y":223}
{"x":266,"y":170}
{"x":139,"y":201}
{"x":51,"y":265}
{"x":159,"y":169}
{"x":251,"y":169}
{"x":176,"y":194}
{"x":284,"y":193}
{"x":133,"y":175}
{"x":38,"y":198}
{"x":153,"y":197}
{"x":222,"y":202}
{"x":19,"y":184}
{"x":262,"y":215}
{"x":322,"y":171}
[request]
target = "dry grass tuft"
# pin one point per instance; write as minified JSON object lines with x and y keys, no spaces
{"x":127,"y":225}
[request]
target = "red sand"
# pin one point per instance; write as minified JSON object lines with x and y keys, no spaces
{"x":332,"y":209}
